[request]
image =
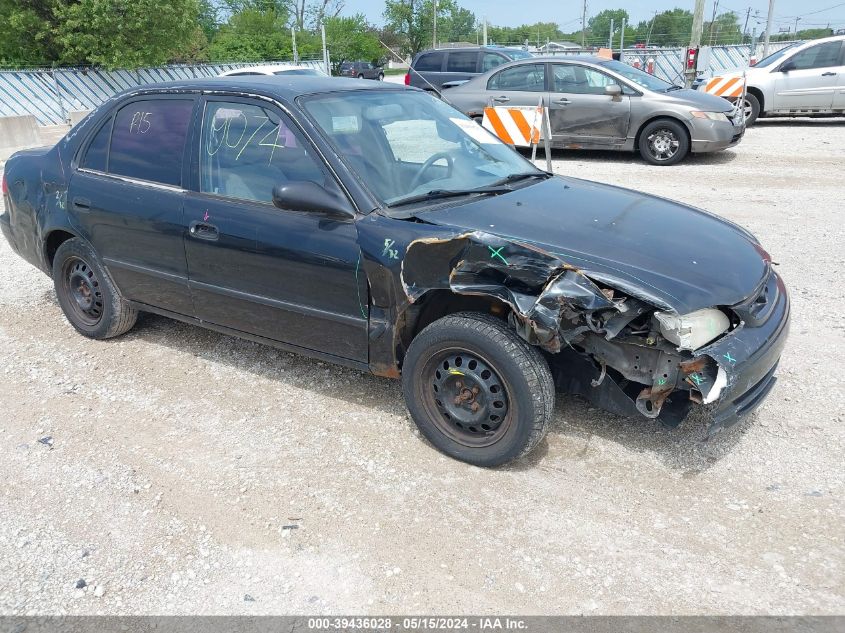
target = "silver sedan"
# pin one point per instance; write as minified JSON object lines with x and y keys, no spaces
{"x":604,"y":104}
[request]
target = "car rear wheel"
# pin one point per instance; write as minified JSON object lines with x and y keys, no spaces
{"x":86,"y":293}
{"x":360,"y":75}
{"x":477,"y":391}
{"x":750,"y":108}
{"x":381,"y":76}
{"x":664,"y":142}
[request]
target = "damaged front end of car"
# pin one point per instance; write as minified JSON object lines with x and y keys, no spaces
{"x":631,"y":355}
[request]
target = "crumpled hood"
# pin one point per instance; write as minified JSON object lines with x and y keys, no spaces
{"x":671,"y":255}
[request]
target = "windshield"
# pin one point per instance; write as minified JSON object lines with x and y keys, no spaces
{"x":407,"y":144}
{"x":771,"y":59}
{"x":639,"y":77}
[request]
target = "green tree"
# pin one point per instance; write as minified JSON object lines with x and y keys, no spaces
{"x":725,"y":29}
{"x":26,"y":32}
{"x":126,"y":33}
{"x":669,"y":28}
{"x":253,"y":35}
{"x":351,"y":39}
{"x":413,"y":21}
{"x":599,"y":24}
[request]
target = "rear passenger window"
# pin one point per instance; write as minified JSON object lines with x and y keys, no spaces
{"x":430,"y":62}
{"x":97,"y":152}
{"x":461,"y":62}
{"x":247,"y":149}
{"x":490,"y":60}
{"x":148,"y":140}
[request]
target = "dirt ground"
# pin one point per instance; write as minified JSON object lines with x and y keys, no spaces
{"x":175,"y":470}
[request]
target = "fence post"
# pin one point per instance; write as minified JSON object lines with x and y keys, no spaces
{"x":58,"y":91}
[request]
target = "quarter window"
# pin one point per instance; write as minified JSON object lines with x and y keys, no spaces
{"x":461,"y":62}
{"x":98,"y":149}
{"x":430,"y":62}
{"x":819,"y":56}
{"x":148,"y":140}
{"x":248,"y":149}
{"x":525,"y":78}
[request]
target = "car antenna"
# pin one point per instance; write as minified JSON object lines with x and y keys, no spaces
{"x":412,"y":70}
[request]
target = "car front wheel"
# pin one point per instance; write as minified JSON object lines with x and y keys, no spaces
{"x":381,"y":76}
{"x":664,"y":142}
{"x":477,"y":391}
{"x":86,"y":293}
{"x":750,"y":109}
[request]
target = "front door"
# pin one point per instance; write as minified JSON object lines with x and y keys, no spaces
{"x":289,"y":276}
{"x":580,"y":112}
{"x":127,"y":199}
{"x":809,"y":79}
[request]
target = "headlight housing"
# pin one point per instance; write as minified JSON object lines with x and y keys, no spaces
{"x":693,"y":330}
{"x":713,"y":116}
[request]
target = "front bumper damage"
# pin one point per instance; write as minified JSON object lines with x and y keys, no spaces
{"x":603,"y":344}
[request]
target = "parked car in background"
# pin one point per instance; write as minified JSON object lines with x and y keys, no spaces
{"x":374,"y":226}
{"x":597,"y":103}
{"x":275,"y":69}
{"x":361,"y":70}
{"x":804,"y":79}
{"x":432,"y":68}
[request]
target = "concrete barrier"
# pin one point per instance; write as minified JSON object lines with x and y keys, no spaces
{"x":77,"y":115}
{"x":19,"y":131}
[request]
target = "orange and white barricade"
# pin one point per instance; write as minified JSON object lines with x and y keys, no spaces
{"x":723,"y":87}
{"x":518,"y":126}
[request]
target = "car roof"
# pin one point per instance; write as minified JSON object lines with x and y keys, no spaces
{"x":269,"y":68}
{"x":286,"y":87}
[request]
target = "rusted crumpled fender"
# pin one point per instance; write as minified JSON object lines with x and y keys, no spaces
{"x":548,"y":296}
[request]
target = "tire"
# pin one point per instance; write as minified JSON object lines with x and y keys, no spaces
{"x":88,"y":297}
{"x":381,"y":76}
{"x":493,"y":379}
{"x":752,"y":108}
{"x":664,"y":142}
{"x":360,"y":75}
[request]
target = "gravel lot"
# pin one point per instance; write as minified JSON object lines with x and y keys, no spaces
{"x":190,"y":472}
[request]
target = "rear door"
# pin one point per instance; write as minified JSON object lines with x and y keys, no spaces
{"x":428,"y":70}
{"x":284,"y":275}
{"x":127,"y":198}
{"x":521,"y":85}
{"x":811,"y":79}
{"x":580,"y":112}
{"x":839,"y":93}
{"x":460,"y":65}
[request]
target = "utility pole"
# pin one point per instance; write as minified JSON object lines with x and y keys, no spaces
{"x":713,"y":20}
{"x":796,"y":27}
{"x":293,"y":39}
{"x":434,"y":37}
{"x":610,"y":36}
{"x":650,"y":27}
{"x":584,"y":25}
{"x":622,"y":41}
{"x":768,"y":28}
{"x":325,"y":51}
{"x":745,"y":28}
{"x":695,"y":38}
{"x":484,"y":32}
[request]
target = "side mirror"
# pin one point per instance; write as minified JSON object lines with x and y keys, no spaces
{"x":304,"y":195}
{"x":614,"y":90}
{"x":787,"y":66}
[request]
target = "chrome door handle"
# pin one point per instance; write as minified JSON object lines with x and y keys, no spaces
{"x":562,"y":101}
{"x":829,"y":74}
{"x":82,"y":204}
{"x":501,"y":99}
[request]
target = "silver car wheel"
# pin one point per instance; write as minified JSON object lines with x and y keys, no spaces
{"x":663,"y":144}
{"x":747,"y":110}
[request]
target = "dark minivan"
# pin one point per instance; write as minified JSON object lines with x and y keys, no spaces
{"x":433,"y":68}
{"x":361,"y":70}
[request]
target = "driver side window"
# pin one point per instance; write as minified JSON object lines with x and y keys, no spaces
{"x":819,"y":56}
{"x":248,"y":149}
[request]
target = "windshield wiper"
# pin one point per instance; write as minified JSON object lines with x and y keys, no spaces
{"x":522,"y":176}
{"x":436,"y":194}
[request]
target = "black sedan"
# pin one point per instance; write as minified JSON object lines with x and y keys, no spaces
{"x":374,"y":226}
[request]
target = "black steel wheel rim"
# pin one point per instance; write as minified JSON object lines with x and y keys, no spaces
{"x":465,"y":397}
{"x":663,"y":144}
{"x":82,"y":291}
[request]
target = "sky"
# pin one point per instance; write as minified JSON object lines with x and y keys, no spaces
{"x":567,"y":13}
